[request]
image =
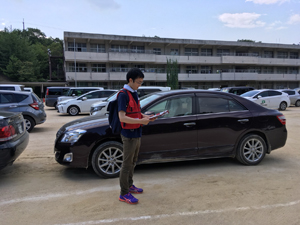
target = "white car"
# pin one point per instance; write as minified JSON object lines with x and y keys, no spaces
{"x":75,"y":92}
{"x":82,"y":104}
{"x":100,"y":108}
{"x":268,"y":98}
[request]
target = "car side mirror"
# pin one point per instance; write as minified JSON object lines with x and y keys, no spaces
{"x":73,"y":95}
{"x":84,"y":98}
{"x":258,"y":97}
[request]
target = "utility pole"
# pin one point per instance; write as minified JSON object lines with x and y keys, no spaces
{"x":49,"y":54}
{"x":23,"y":25}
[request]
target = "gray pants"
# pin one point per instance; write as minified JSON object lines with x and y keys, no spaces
{"x":131,"y":147}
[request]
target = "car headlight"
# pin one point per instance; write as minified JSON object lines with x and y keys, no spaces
{"x":72,"y":136}
{"x":97,"y":108}
{"x":62,"y":103}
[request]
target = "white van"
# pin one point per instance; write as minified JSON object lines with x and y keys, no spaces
{"x":74,"y":92}
{"x":11,"y":87}
{"x":100,"y":108}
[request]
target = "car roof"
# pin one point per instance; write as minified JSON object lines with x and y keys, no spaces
{"x":17,"y":92}
{"x":59,"y":87}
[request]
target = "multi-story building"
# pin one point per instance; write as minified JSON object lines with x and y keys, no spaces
{"x":103,"y":60}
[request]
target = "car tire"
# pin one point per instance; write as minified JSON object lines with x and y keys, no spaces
{"x":107,"y":159}
{"x":251,"y":150}
{"x":29,"y":123}
{"x":55,"y":105}
{"x":297,"y":104}
{"x":73,"y":110}
{"x":282,"y":106}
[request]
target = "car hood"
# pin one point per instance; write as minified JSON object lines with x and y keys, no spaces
{"x":65,"y":101}
{"x":84,"y":123}
{"x":101,"y":103}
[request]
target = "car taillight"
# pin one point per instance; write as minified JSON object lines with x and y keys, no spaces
{"x":282,"y":119}
{"x":47,"y":93}
{"x":6,"y":133}
{"x":35,"y":105}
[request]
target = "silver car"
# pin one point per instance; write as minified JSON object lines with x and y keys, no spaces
{"x":293,"y":95}
{"x":28,"y":103}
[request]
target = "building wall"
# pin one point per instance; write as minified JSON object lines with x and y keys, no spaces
{"x":105,"y":59}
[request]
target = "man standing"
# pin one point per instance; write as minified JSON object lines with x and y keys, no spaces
{"x":131,"y":120}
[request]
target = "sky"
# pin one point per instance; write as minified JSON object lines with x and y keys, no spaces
{"x":267,"y":21}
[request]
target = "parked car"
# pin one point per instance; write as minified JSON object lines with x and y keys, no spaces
{"x":268,"y":98}
{"x":83,"y":103}
{"x":76,"y":92}
{"x":297,"y":89}
{"x":293,"y":95}
{"x":53,"y":93}
{"x":12,"y":87}
{"x":200,"y":125}
{"x":100,"y":108}
{"x":237,"y":90}
{"x":13,"y":137}
{"x":28,"y":89}
{"x":28,"y":103}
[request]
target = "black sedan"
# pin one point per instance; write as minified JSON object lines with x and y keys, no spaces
{"x":13,"y":137}
{"x":200,"y":125}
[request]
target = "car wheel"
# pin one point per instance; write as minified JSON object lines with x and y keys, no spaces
{"x":251,"y":150}
{"x":107,"y":159}
{"x":282,"y":106}
{"x":55,"y":105}
{"x":73,"y":110}
{"x":29,"y":123}
{"x":297,"y":104}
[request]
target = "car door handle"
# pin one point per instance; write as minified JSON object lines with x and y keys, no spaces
{"x":13,"y":106}
{"x":189,"y":124}
{"x":243,"y":120}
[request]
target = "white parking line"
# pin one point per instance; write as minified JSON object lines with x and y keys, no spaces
{"x":59,"y":195}
{"x":185,"y":214}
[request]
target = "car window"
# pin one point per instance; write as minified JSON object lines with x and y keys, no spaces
{"x":177,"y":107}
{"x":6,"y":98}
{"x":213,"y":105}
{"x":65,"y":91}
{"x":274,"y":93}
{"x":263,"y":94}
{"x":104,"y":94}
{"x":7,"y":88}
{"x":290,"y":92}
{"x":92,"y":95}
{"x":250,"y":93}
{"x":35,"y":97}
{"x":77,"y":92}
{"x":54,"y":91}
{"x":20,"y":97}
{"x":235,"y":106}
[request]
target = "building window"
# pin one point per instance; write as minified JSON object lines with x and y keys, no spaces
{"x":267,"y":70}
{"x":191,"y":69}
{"x":157,"y":51}
{"x":97,"y":48}
{"x":191,"y":51}
{"x":205,"y":69}
{"x":282,"y":55}
{"x":118,"y":48}
{"x":268,"y":54}
{"x":282,"y":70}
{"x":294,"y":55}
{"x":79,"y":47}
{"x":293,"y":70}
{"x":221,"y":52}
{"x":138,"y":49}
{"x":174,"y":51}
{"x":99,"y":68}
{"x":80,"y":67}
{"x":206,"y":52}
{"x":141,"y":67}
{"x":156,"y":69}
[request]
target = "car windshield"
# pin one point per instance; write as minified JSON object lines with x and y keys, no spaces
{"x":250,"y":93}
{"x":112,"y":97}
{"x":148,"y":98}
{"x":69,"y":92}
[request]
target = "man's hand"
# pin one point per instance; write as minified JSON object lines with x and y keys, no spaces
{"x":148,"y":117}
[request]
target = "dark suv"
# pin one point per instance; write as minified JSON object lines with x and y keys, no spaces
{"x":52,"y":93}
{"x":27,"y":103}
{"x":237,"y":90}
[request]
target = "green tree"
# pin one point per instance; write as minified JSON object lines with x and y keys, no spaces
{"x":172,"y":73}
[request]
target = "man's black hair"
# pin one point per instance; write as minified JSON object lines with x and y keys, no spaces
{"x":134,"y":73}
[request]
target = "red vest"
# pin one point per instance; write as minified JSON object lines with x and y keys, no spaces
{"x":133,"y":111}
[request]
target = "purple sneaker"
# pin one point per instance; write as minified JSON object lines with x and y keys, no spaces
{"x":128,"y":198}
{"x":135,"y":190}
